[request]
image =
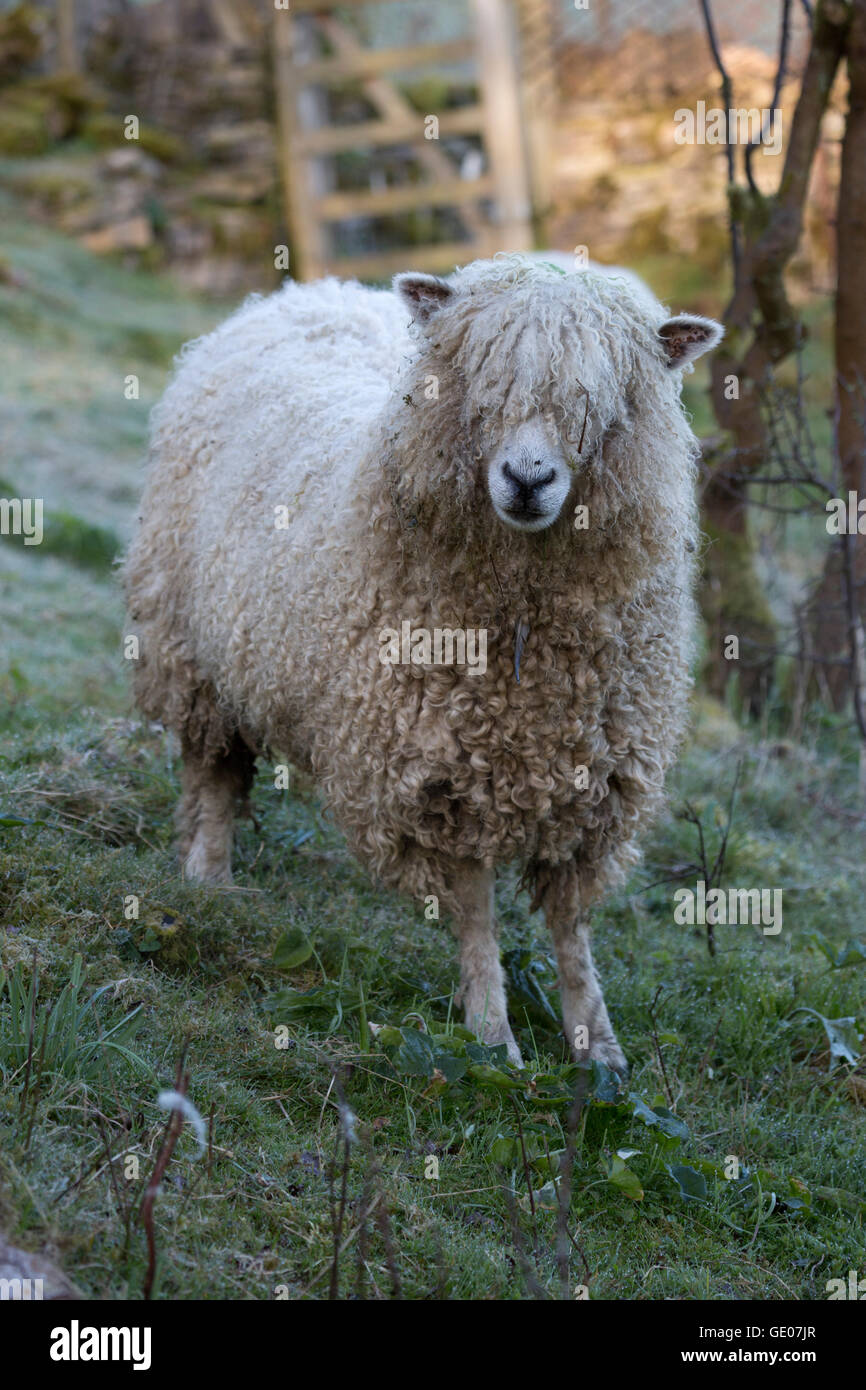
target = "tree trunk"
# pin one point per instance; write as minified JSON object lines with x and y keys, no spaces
{"x":834,"y":622}
{"x":68,"y":60}
{"x":761,"y":330}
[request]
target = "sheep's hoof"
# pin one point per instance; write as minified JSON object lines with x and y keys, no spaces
{"x":200,"y":867}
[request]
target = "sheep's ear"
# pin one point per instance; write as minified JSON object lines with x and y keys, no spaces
{"x":423,"y":295}
{"x":687,"y":337}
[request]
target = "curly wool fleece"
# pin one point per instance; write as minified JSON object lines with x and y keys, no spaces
{"x":371,"y":434}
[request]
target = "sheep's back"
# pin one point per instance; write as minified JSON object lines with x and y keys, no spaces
{"x":255,"y":446}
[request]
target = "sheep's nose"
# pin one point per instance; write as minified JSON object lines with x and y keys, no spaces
{"x":522,"y":486}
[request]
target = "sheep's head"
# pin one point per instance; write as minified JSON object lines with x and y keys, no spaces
{"x":548,"y":365}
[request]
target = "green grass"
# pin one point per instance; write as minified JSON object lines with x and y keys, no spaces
{"x":86,"y":827}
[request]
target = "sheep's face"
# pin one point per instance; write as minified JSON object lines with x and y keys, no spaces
{"x":544,"y":369}
{"x":528,"y":477}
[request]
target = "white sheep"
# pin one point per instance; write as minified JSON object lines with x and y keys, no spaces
{"x":331,"y":486}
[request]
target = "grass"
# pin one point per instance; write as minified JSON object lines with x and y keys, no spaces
{"x":266,"y":989}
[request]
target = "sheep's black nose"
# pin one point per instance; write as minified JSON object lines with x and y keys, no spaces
{"x":522,"y":487}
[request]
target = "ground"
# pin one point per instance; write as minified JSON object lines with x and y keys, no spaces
{"x":268,"y":989}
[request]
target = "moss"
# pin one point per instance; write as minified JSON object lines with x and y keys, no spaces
{"x":105,"y":130}
{"x":712,"y":251}
{"x":83,"y":544}
{"x":436,"y":94}
{"x":730,"y":581}
{"x":102,"y":129}
{"x":23,"y":130}
{"x":605,"y":192}
{"x":170,"y":149}
{"x":236,"y":231}
{"x":39,"y":111}
{"x":648,"y":235}
{"x":55,"y":184}
{"x":20,"y":39}
{"x":733,"y":603}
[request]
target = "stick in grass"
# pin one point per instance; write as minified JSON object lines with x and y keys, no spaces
{"x":170,"y":1138}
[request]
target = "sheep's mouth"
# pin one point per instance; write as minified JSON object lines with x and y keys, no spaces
{"x":527,"y":517}
{"x":525,"y":511}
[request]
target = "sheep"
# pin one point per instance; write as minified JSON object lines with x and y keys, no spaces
{"x":338,"y":473}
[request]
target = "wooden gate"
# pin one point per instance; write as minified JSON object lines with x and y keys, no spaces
{"x":493,"y":206}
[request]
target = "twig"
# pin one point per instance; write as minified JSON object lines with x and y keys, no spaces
{"x":728,"y":99}
{"x":210,"y":1141}
{"x":530,"y":1278}
{"x":563,"y":1192}
{"x":658,"y":1048}
{"x":170,"y":1138}
{"x":767,"y":130}
{"x":31,"y":1029}
{"x":527,"y":1175}
{"x":36,"y":1089}
{"x":338,"y":1214}
{"x":706,"y":1057}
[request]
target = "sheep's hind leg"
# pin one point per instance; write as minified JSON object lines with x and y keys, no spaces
{"x":212,"y":787}
{"x":482,"y":984}
{"x":585,"y":1019}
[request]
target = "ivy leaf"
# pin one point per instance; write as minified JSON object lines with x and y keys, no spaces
{"x":547,"y":1196}
{"x":548,"y":1164}
{"x":522,"y":970}
{"x":623,"y":1177}
{"x":668,"y":1123}
{"x":414,"y":1057}
{"x":292,"y":949}
{"x":452,"y":1067}
{"x":692,"y":1185}
{"x":841,"y":1198}
{"x":332,"y":999}
{"x":605,"y":1084}
{"x":505,"y":1151}
{"x":491,"y":1078}
{"x":494,"y":1053}
{"x":853,"y":951}
{"x":149,"y":942}
{"x":842,"y":1036}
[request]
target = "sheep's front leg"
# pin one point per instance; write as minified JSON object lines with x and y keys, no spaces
{"x":584,"y":1013}
{"x":212,"y":787}
{"x":482,"y":984}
